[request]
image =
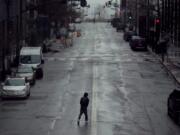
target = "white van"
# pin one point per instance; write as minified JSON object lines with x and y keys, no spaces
{"x":33,"y":57}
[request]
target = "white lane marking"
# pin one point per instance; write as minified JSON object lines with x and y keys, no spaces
{"x":53,"y":124}
{"x":94,"y":103}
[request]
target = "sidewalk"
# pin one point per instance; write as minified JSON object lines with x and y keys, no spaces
{"x":172,"y":64}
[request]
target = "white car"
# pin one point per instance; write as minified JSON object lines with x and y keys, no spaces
{"x":15,"y":87}
{"x":27,"y":72}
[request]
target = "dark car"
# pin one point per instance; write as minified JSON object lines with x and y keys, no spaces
{"x":138,"y":43}
{"x":120,"y":27}
{"x":128,"y":35}
{"x":115,"y":21}
{"x":173,"y":104}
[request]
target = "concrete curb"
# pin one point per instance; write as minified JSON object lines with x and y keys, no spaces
{"x":170,"y":73}
{"x":166,"y":67}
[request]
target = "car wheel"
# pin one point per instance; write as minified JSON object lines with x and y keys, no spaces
{"x":168,"y":112}
{"x":28,"y":95}
{"x":177,"y":120}
{"x":39,"y":74}
{"x":42,"y":75}
{"x":145,"y":49}
{"x":34,"y":82}
{"x":2,"y":98}
{"x":133,"y":48}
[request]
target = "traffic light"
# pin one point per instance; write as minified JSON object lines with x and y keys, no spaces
{"x":83,"y":3}
{"x":157,"y":27}
{"x":157,"y":21}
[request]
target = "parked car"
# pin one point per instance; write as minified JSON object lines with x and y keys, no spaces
{"x":27,"y":72}
{"x":15,"y":87}
{"x":71,"y":27}
{"x":138,"y":43}
{"x":120,"y":27}
{"x":77,"y":20}
{"x":129,"y":27}
{"x":128,"y":35}
{"x":115,"y":21}
{"x":173,"y":105}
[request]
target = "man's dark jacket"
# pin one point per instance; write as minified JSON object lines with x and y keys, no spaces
{"x":84,"y":103}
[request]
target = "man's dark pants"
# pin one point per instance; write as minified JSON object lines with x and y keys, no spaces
{"x":83,"y":111}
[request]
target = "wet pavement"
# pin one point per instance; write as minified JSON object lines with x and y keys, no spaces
{"x":128,"y":91}
{"x":171,"y":64}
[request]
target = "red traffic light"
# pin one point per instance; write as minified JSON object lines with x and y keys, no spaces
{"x":157,"y":21}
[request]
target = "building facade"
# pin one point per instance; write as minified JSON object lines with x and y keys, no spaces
{"x":170,"y":19}
{"x":145,"y":12}
{"x":12,"y":30}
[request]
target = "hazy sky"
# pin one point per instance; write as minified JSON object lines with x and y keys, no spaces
{"x":96,"y":3}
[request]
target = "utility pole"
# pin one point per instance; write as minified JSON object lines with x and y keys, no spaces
{"x":6,"y":38}
{"x":116,"y":9}
{"x":158,"y":13}
{"x":7,"y":27}
{"x":17,"y":40}
{"x":19,"y":28}
{"x":147,"y":21}
{"x":136,"y":16}
{"x":71,"y":12}
{"x":123,"y":9}
{"x":125,"y":18}
{"x":3,"y":50}
{"x":21,"y":20}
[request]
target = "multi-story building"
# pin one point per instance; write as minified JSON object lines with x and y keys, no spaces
{"x":155,"y":19}
{"x":170,"y":19}
{"x":12,"y":24}
{"x":135,"y":12}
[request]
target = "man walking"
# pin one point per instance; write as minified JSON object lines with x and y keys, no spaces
{"x":84,"y":102}
{"x":163,"y":44}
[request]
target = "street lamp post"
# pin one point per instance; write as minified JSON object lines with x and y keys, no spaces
{"x":136,"y":16}
{"x":6,"y":48}
{"x":3,"y":51}
{"x":7,"y":2}
{"x":147,"y":21}
{"x":19,"y":30}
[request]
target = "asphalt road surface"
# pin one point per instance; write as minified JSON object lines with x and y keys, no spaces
{"x":127,"y":90}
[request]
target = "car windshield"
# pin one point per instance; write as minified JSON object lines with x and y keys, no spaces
{"x":25,"y":70}
{"x":15,"y":82}
{"x":30,"y":59}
